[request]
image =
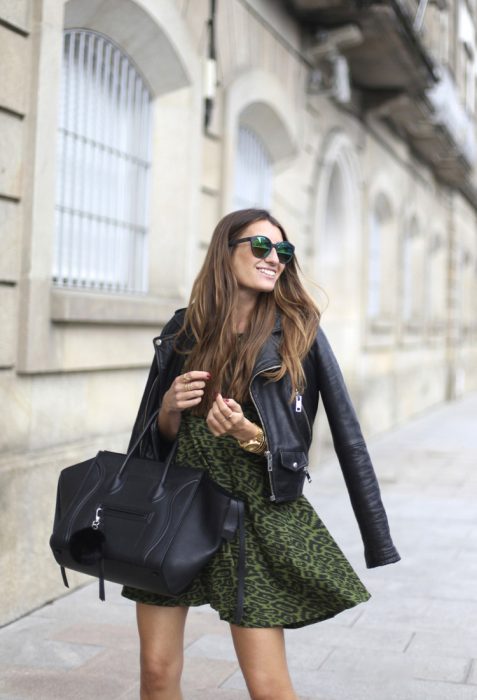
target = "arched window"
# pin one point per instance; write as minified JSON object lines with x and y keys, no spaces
{"x":436,"y":285}
{"x":337,"y":225}
{"x":253,"y":172}
{"x":467,"y":266}
{"x":335,"y":220}
{"x":381,"y":261}
{"x":103,"y":168}
{"x":413,"y":282}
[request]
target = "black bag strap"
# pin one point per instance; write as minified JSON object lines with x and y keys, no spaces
{"x":240,"y":563}
{"x":134,"y":447}
{"x":138,"y":441}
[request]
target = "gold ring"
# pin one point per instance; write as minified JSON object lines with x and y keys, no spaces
{"x":186,"y":379}
{"x":188,"y":386}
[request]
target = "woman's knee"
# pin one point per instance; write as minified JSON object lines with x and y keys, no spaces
{"x":159,"y":673}
{"x":161,"y":631}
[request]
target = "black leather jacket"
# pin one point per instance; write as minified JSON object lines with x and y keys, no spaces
{"x":288,"y":429}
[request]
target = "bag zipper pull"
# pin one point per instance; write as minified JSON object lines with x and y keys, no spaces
{"x":97,"y":520}
{"x":298,"y":402}
{"x":307,"y":474}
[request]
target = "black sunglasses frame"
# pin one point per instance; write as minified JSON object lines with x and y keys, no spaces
{"x":257,"y":253}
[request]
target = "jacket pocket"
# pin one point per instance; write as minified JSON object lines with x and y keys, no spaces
{"x":295,"y":461}
{"x":290,"y":474}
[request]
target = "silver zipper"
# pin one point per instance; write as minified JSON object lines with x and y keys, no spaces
{"x":72,"y":517}
{"x":97,"y":519}
{"x":124,"y":512}
{"x":299,"y":408}
{"x":268,"y":454}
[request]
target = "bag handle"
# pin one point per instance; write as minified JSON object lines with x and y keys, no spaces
{"x":138,"y":441}
{"x":170,"y":456}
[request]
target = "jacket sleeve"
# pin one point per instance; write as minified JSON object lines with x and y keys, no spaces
{"x":356,"y":465}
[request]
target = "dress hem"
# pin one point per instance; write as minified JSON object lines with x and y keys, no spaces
{"x":283,"y":625}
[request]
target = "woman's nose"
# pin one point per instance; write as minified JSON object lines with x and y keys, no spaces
{"x":272,"y":256}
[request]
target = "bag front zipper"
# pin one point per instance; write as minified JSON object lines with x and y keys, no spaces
{"x":117,"y":512}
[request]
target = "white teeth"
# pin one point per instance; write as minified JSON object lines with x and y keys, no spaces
{"x":267,"y":272}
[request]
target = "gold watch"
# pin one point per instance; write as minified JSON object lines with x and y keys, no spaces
{"x":257,"y":444}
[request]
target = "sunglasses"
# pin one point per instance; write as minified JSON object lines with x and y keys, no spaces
{"x":261,"y":247}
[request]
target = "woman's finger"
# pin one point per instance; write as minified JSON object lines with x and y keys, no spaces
{"x":227,"y":407}
{"x":194,"y":375}
{"x":215,"y":426}
{"x":231,"y":405}
{"x":187,"y":387}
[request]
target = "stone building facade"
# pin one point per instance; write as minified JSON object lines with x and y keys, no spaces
{"x":129,"y":127}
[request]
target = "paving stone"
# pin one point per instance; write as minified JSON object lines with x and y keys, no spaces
{"x":212,"y":646}
{"x":380,"y":666}
{"x":41,"y":684}
{"x":332,"y":686}
{"x":301,"y":655}
{"x":202,"y":621}
{"x":110,"y":663}
{"x":112,"y":636}
{"x":420,"y":613}
{"x":324,"y":634}
{"x":449,"y":642}
{"x":131,"y":694}
{"x":203,"y":676}
{"x":33,"y":647}
{"x":472,"y":678}
{"x":217,"y":694}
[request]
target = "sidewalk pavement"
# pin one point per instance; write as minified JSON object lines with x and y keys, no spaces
{"x":416,"y":639}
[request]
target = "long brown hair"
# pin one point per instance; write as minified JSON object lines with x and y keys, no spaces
{"x":210,"y":318}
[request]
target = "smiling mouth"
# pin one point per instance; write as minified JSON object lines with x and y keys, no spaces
{"x":268,"y":272}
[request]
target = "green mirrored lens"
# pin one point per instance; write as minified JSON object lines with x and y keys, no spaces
{"x":261,"y":246}
{"x":285,"y":251}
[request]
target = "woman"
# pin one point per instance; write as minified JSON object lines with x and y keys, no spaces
{"x":237,"y":376}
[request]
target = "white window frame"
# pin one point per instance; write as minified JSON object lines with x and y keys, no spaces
{"x":253,"y":181}
{"x":103,"y":168}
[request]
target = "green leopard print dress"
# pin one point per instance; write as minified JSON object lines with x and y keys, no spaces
{"x":295,"y":572}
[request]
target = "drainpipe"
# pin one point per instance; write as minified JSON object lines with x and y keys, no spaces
{"x":210,"y":77}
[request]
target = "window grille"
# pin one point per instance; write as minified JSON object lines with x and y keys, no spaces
{"x":253,"y":172}
{"x":103,"y":167}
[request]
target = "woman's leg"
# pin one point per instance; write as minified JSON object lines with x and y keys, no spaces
{"x":161,"y":635}
{"x":262,"y":658}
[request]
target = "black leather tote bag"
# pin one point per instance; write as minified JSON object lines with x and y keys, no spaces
{"x":147,"y":524}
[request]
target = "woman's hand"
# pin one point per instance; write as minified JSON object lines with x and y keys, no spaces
{"x":185,"y":391}
{"x":226,"y":418}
